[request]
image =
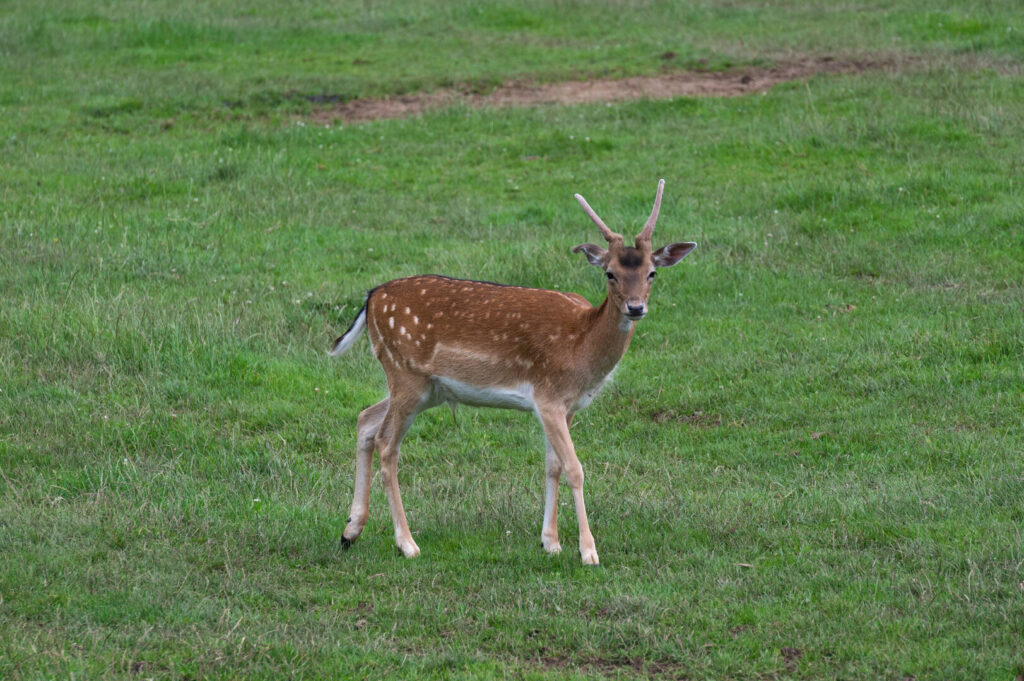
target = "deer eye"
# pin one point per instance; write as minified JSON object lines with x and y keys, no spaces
{"x":611,"y":277}
{"x":651,"y":275}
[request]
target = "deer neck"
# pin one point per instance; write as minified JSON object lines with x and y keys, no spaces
{"x":608,"y":337}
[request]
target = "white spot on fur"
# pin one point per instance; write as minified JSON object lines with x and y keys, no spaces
{"x":391,"y":322}
{"x":406,"y":310}
{"x":415,"y":319}
{"x":465,"y":353}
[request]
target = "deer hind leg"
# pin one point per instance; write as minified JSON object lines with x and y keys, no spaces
{"x":556,"y":429}
{"x":403,"y":406}
{"x":366,"y":431}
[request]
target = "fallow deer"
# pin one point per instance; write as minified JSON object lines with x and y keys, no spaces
{"x":444,"y":340}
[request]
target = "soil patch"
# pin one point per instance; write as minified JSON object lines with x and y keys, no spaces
{"x":697,"y":419}
{"x":634,"y":666}
{"x":730,"y":83}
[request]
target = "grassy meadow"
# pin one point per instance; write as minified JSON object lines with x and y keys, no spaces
{"x":810,"y":464}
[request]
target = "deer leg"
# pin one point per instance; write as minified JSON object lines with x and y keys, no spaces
{"x":402,"y":410}
{"x":552,"y":476}
{"x":366,"y":430}
{"x":556,"y":428}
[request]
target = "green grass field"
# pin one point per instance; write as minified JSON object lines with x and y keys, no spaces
{"x":810,"y":463}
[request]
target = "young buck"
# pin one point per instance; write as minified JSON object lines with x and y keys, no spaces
{"x":444,"y":340}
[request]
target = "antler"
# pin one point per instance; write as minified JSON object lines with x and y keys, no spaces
{"x":609,"y":235}
{"x":645,"y":233}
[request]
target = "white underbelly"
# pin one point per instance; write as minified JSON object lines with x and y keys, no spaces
{"x":505,"y":397}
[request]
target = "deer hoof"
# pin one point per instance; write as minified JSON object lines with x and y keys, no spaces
{"x":409,"y":548}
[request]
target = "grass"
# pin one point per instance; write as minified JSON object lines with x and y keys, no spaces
{"x":809,"y":464}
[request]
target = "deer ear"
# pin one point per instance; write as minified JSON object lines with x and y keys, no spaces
{"x":595,"y":254}
{"x":669,"y":255}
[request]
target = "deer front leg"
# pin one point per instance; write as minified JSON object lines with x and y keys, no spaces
{"x":556,"y":428}
{"x":366,"y":430}
{"x":552,"y":475}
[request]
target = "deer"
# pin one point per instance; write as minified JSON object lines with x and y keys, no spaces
{"x":455,"y":341}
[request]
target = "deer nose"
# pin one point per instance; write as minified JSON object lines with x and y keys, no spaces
{"x":636,"y":310}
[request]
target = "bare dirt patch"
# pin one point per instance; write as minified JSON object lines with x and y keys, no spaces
{"x":634,"y":666}
{"x":697,"y":419}
{"x":695,"y":83}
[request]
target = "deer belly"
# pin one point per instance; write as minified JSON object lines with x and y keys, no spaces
{"x":505,"y":397}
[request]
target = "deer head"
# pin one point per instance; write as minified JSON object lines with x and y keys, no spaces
{"x":630,"y":270}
